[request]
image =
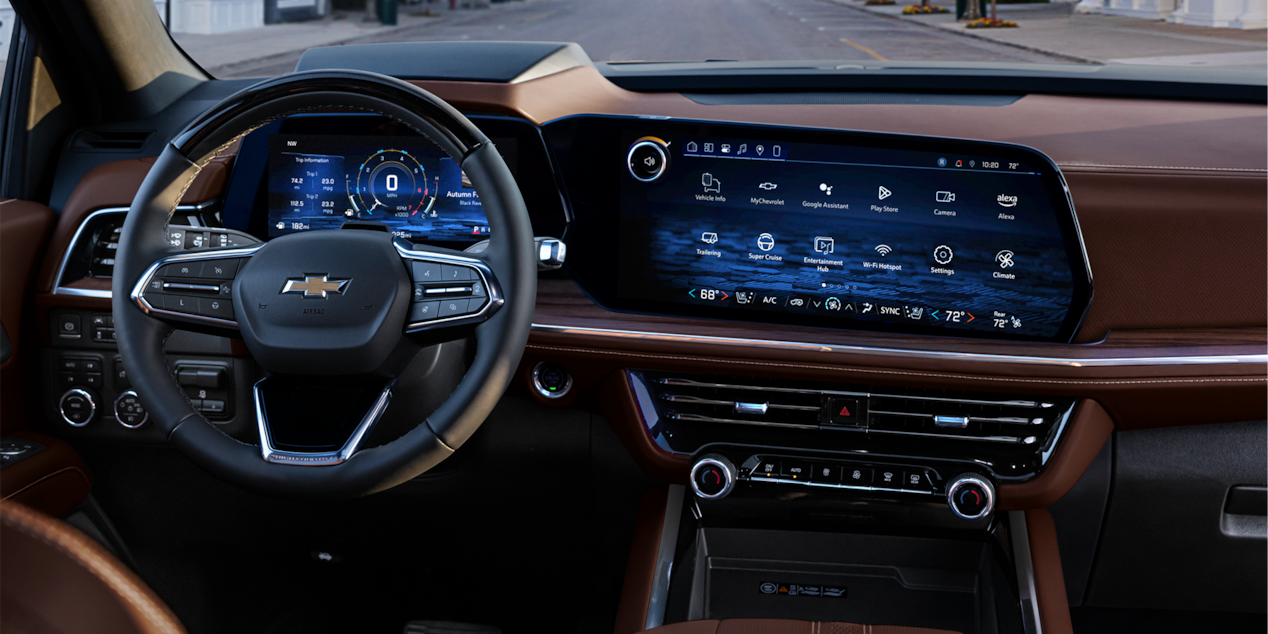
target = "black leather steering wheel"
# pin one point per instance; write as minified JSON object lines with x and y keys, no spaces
{"x":330,"y":315}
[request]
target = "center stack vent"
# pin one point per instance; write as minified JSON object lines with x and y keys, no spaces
{"x":1017,"y":432}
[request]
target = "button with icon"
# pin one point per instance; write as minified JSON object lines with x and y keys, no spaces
{"x":943,"y":254}
{"x":647,"y":160}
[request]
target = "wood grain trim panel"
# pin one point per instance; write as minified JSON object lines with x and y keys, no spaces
{"x":640,"y":569}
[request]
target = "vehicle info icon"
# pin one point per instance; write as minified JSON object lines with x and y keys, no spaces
{"x":711,"y":184}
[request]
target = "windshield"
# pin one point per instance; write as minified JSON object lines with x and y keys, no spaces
{"x":268,"y":36}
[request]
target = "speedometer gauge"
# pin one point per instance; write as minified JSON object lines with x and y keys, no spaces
{"x":391,"y":184}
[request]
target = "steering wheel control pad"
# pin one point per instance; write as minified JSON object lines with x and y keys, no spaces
{"x":323,"y":302}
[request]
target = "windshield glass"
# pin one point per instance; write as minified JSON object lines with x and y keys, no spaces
{"x":266,"y":37}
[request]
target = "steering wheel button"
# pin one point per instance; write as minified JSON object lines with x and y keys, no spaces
{"x":474,"y":304}
{"x":477,"y":289}
{"x":220,"y":269}
{"x":215,"y":307}
{"x":226,"y":289}
{"x":423,"y":311}
{"x":181,"y":304}
{"x":450,"y":273}
{"x":451,"y":307}
{"x":183,"y":269}
{"x":425,"y":271}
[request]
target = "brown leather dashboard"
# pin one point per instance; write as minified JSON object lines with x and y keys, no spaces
{"x":1170,"y":196}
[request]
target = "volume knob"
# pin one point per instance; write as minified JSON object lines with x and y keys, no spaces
{"x":971,"y":496}
{"x":713,"y":477}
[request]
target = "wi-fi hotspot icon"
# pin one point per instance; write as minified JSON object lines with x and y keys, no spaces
{"x":883,"y":249}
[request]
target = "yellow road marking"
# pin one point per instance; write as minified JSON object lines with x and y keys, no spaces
{"x":865,"y":50}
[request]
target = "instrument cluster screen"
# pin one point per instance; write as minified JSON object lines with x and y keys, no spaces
{"x":419,"y":192}
{"x":960,"y":239}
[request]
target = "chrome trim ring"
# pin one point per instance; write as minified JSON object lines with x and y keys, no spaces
{"x":118,"y":418}
{"x":959,"y":483}
{"x":726,"y":471}
{"x":541,"y":389}
{"x":92,"y":406}
{"x":664,"y":160}
{"x":315,"y":459}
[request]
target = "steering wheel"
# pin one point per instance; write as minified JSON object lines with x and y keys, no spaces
{"x":332,"y":316}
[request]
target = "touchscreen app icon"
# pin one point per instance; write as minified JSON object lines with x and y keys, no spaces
{"x":1005,"y":259}
{"x":709,"y":237}
{"x":824,"y":244}
{"x":944,"y":197}
{"x":766,"y":242}
{"x":711,"y":184}
{"x":943,"y":254}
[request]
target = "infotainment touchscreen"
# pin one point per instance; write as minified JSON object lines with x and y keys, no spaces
{"x":860,"y":231}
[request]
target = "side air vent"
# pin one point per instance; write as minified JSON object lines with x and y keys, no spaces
{"x":112,"y":140}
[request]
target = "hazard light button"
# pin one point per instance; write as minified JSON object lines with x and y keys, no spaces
{"x":845,"y":411}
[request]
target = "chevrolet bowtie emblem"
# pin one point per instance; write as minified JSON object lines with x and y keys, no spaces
{"x":315,"y":285}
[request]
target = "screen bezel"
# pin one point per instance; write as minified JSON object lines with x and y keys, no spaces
{"x":590,"y":153}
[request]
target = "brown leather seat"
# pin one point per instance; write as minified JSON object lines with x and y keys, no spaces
{"x":55,"y":580}
{"x":785,"y":626}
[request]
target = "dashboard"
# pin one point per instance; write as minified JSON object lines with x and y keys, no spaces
{"x":861,"y":231}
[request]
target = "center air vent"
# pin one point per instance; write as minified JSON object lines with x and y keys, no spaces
{"x":685,"y":412}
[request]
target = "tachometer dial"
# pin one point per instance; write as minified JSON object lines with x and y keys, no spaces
{"x":390,"y":184}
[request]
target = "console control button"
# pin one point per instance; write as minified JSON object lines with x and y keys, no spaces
{"x":826,"y":474}
{"x":795,"y":470}
{"x":712,"y":477}
{"x":917,"y":480}
{"x":78,"y":407}
{"x":888,"y":478}
{"x":767,"y":469}
{"x":844,"y":411}
{"x":129,"y":411}
{"x":69,"y":326}
{"x":551,"y":381}
{"x":857,"y":476}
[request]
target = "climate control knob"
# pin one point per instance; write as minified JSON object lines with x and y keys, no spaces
{"x":713,"y":477}
{"x":971,"y":496}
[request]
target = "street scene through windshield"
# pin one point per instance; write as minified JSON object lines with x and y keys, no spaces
{"x":267,"y":37}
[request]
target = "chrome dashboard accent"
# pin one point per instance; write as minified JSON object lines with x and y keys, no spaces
{"x":700,"y":418}
{"x":1020,"y":537}
{"x":656,"y":603}
{"x":905,"y":353}
{"x":58,"y":289}
{"x":350,"y":447}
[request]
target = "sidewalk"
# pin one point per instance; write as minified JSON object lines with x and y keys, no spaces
{"x":227,"y":50}
{"x":1057,"y":30}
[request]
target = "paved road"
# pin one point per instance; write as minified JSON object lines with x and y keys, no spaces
{"x":689,"y":30}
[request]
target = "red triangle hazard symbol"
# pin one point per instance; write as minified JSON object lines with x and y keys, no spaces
{"x":845,"y":411}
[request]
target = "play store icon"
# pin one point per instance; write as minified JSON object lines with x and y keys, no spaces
{"x":885,"y":193}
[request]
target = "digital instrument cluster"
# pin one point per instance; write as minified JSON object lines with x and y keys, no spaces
{"x":322,"y":181}
{"x":868,"y":231}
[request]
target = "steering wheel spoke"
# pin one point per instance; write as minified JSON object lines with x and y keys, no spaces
{"x":310,"y":423}
{"x":449,"y":289}
{"x":193,"y":288}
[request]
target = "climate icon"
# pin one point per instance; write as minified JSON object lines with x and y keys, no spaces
{"x":883,"y":249}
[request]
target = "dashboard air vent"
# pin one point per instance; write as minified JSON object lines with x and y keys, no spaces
{"x":112,"y":140}
{"x":739,"y":404}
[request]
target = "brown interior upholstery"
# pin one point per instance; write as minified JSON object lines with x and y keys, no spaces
{"x":55,"y":580}
{"x":785,"y":626}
